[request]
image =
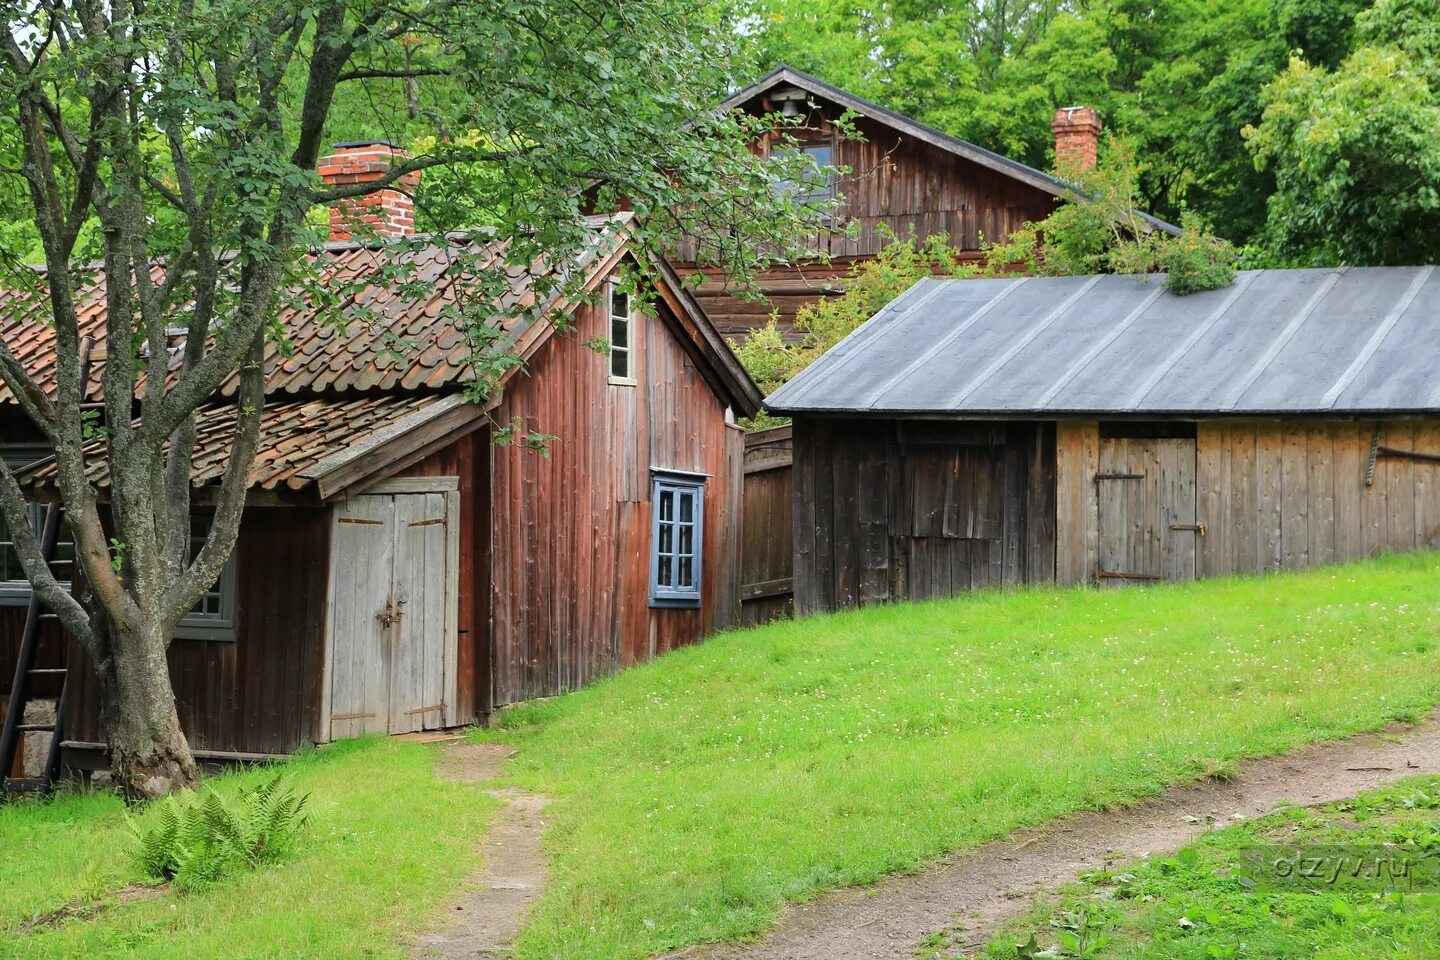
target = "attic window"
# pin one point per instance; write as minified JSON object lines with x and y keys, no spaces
{"x":818,"y":189}
{"x":622,"y":370}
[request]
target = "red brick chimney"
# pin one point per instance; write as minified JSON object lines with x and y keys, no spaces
{"x":386,"y":213}
{"x":1077,"y":139}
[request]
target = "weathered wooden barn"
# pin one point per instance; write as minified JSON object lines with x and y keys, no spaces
{"x":905,"y":179}
{"x":1074,"y":429}
{"x":397,"y":570}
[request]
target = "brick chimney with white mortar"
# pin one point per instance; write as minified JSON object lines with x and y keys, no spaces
{"x":385,"y":213}
{"x":1077,"y":139}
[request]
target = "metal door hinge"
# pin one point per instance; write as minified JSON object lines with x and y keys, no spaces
{"x":1196,"y":527}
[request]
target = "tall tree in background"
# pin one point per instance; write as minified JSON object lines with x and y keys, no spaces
{"x":1180,"y":79}
{"x":177,"y":141}
{"x":1355,"y":149}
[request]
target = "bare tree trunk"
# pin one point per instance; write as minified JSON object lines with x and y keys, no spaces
{"x":149,"y":755}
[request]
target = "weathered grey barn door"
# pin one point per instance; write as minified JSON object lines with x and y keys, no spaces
{"x":393,"y":608}
{"x":1146,"y":493}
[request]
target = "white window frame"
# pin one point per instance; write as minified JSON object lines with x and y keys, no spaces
{"x":667,"y":592}
{"x":627,"y":351}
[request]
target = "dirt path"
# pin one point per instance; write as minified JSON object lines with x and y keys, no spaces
{"x":484,"y":922}
{"x":980,"y":890}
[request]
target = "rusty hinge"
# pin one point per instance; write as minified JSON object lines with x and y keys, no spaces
{"x":428,"y":523}
{"x":1196,"y":527}
{"x":1121,"y":575}
{"x":1119,"y":476}
{"x":375,"y":523}
{"x":1390,"y":453}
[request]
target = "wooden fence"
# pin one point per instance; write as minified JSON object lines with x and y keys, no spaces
{"x":767,"y":543}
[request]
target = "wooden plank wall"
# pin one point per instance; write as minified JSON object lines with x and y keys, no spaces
{"x":261,"y":692}
{"x":908,"y":510}
{"x":767,"y":541}
{"x":571,"y":530}
{"x":1290,"y":495}
{"x":1273,"y":495}
{"x":897,"y":184}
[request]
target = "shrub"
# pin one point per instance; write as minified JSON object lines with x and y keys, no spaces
{"x":195,"y":837}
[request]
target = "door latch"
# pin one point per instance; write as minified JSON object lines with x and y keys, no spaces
{"x":392,"y":614}
{"x":1196,"y":527}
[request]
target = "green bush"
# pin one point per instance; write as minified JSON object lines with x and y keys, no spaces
{"x":195,"y":837}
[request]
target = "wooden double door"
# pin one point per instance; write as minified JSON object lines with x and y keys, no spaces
{"x":393,"y":609}
{"x":1147,"y":496}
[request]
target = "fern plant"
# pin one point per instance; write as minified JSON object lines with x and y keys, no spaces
{"x":195,"y":837}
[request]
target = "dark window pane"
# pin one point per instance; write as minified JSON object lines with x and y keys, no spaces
{"x":686,"y":540}
{"x":667,"y":505}
{"x":687,"y":507}
{"x":665,"y":577}
{"x":619,"y":304}
{"x":686,"y":579}
{"x":619,"y":333}
{"x":667,"y":538}
{"x":619,"y":363}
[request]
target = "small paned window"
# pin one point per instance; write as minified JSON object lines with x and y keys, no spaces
{"x":621,"y":336}
{"x":818,"y":188}
{"x":14,"y":585}
{"x":678,"y":506}
{"x":213,"y":616}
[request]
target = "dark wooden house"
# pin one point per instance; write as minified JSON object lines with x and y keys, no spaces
{"x":905,"y":179}
{"x":396,"y":570}
{"x":1075,"y":429}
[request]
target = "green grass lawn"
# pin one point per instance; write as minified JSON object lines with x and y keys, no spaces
{"x":387,"y":842}
{"x":1210,"y":901}
{"x":696,"y":794}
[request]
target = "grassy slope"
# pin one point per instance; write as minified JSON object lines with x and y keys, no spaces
{"x":387,"y":841}
{"x":698,"y":793}
{"x":1136,"y":913}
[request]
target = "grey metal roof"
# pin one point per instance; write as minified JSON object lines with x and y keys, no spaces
{"x":963,"y":148}
{"x":1345,"y":341}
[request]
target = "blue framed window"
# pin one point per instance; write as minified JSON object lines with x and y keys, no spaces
{"x":677,"y":507}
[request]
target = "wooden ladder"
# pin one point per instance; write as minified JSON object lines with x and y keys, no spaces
{"x":25,"y":670}
{"x":26,"y":673}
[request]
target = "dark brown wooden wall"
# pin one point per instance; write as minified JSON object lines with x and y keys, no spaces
{"x":261,"y":692}
{"x":909,"y":510}
{"x":898,"y":185}
{"x":767,"y":540}
{"x":468,"y":458}
{"x":570,"y":584}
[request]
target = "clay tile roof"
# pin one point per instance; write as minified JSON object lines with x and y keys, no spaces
{"x":299,"y":437}
{"x":333,"y":350}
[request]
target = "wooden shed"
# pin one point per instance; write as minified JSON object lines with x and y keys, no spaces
{"x":396,"y":570}
{"x":1034,"y":430}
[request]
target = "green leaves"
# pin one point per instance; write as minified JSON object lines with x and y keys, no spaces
{"x":196,"y":837}
{"x":1355,"y":151}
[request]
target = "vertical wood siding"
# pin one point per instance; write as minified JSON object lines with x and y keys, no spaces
{"x":571,"y":530}
{"x":897,"y":185}
{"x":889,"y":510}
{"x":767,"y":541}
{"x":1277,"y":495}
{"x":260,"y":693}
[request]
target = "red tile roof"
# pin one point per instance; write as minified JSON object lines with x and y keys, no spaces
{"x":333,"y":349}
{"x":300,"y":436}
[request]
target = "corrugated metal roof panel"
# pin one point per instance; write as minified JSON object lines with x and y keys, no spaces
{"x":1309,"y":341}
